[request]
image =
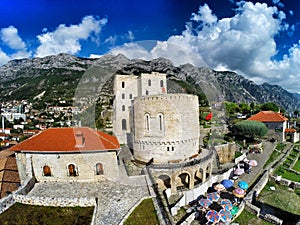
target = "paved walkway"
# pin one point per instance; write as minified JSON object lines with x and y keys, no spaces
{"x":115,"y":198}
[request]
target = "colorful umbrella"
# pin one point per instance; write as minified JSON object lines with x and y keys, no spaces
{"x":226,"y":204}
{"x":239,"y":171}
{"x":219,"y":187}
{"x":252,"y":162}
{"x":212,"y":216}
{"x":234,"y":210}
{"x":239,"y":192}
{"x":214,"y":196}
{"x":227,"y":183}
{"x":243,"y":184}
{"x":205,"y":202}
{"x":225,"y":215}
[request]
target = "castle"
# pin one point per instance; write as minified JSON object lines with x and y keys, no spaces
{"x":161,"y":129}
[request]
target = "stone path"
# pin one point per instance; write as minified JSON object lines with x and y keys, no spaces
{"x":115,"y":198}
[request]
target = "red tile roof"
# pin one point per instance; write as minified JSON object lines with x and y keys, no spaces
{"x":290,"y":130}
{"x":68,"y":140}
{"x":268,"y":116}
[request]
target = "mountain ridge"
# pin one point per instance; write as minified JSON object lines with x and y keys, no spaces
{"x":63,"y":72}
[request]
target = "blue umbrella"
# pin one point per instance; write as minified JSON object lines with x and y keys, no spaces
{"x":227,"y":183}
{"x":243,"y":184}
{"x":225,"y":215}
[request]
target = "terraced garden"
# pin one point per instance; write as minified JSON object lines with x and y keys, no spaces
{"x":290,"y":168}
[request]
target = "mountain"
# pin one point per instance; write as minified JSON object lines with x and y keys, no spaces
{"x":64,"y":76}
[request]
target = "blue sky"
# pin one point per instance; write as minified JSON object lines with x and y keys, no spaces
{"x":257,"y":39}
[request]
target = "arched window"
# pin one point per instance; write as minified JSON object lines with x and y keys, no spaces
{"x":124,"y":127}
{"x":149,"y":82}
{"x":123,"y":107}
{"x":161,"y":122}
{"x":123,"y":96}
{"x":46,"y":171}
{"x":123,"y":84}
{"x":161,"y":83}
{"x":147,"y":123}
{"x":99,"y":169}
{"x":72,"y":170}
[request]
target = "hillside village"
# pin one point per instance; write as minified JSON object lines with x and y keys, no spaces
{"x":154,"y":144}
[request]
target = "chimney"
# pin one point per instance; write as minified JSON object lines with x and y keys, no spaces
{"x":79,"y":138}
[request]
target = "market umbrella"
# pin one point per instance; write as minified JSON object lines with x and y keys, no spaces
{"x":243,"y":184}
{"x":225,"y":216}
{"x":219,"y":187}
{"x":239,"y":192}
{"x":214,"y":196}
{"x":238,"y":171}
{"x":226,"y":204}
{"x":252,"y":162}
{"x":212,"y":216}
{"x":234,"y":210}
{"x":227,"y":183}
{"x":204,"y":202}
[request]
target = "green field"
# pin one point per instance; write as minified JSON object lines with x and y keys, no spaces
{"x":144,"y":214}
{"x":282,"y":197}
{"x":20,"y":214}
{"x":247,"y":218}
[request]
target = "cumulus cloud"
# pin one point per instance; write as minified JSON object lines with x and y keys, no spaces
{"x":3,"y":57}
{"x":66,"y":39}
{"x":132,"y":51}
{"x":10,"y":37}
{"x":244,"y":43}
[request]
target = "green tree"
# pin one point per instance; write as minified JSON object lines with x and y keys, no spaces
{"x":270,"y":106}
{"x":250,"y":128}
{"x":296,"y":113}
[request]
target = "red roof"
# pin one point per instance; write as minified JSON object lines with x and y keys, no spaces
{"x":68,"y":140}
{"x":290,"y":130}
{"x":268,"y":116}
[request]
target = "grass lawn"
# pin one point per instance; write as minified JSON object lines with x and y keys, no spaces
{"x":283,"y":198}
{"x":247,"y":218}
{"x":297,"y":166}
{"x":20,"y":214}
{"x":273,"y":157}
{"x":144,"y":214}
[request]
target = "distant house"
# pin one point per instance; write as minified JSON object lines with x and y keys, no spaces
{"x":275,"y":122}
{"x":68,"y":154}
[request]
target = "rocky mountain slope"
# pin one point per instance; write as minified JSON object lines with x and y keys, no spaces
{"x":64,"y":76}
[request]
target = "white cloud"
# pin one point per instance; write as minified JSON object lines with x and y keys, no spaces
{"x":3,"y":57}
{"x":66,"y":39}
{"x":132,"y":51}
{"x":11,"y":38}
{"x":244,"y":43}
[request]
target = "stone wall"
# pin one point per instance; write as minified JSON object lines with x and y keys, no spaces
{"x":85,"y":165}
{"x":166,"y":127}
{"x":61,"y":202}
{"x":226,"y":152}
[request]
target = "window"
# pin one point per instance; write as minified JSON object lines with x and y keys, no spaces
{"x":124,"y":127}
{"x":123,"y":96}
{"x":46,"y":171}
{"x":161,"y":83}
{"x":168,"y":148}
{"x":147,"y":92}
{"x":123,"y":84}
{"x":99,"y":169}
{"x":172,"y":148}
{"x":130,"y":96}
{"x":72,"y":170}
{"x":160,"y":120}
{"x":149,"y":82}
{"x":147,"y":123}
{"x":123,"y":107}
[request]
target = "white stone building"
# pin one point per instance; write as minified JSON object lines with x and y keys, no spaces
{"x":68,"y":154}
{"x":159,"y":127}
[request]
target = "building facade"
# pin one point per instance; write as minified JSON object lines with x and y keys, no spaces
{"x":68,"y":154}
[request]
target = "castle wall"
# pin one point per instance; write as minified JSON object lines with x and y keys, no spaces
{"x":84,"y":163}
{"x":126,"y":88}
{"x":166,"y":127}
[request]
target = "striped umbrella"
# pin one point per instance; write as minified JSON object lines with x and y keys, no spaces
{"x":225,"y":216}
{"x":204,"y":202}
{"x":214,"y":196}
{"x":219,"y":187}
{"x":226,"y":204}
{"x":212,"y":216}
